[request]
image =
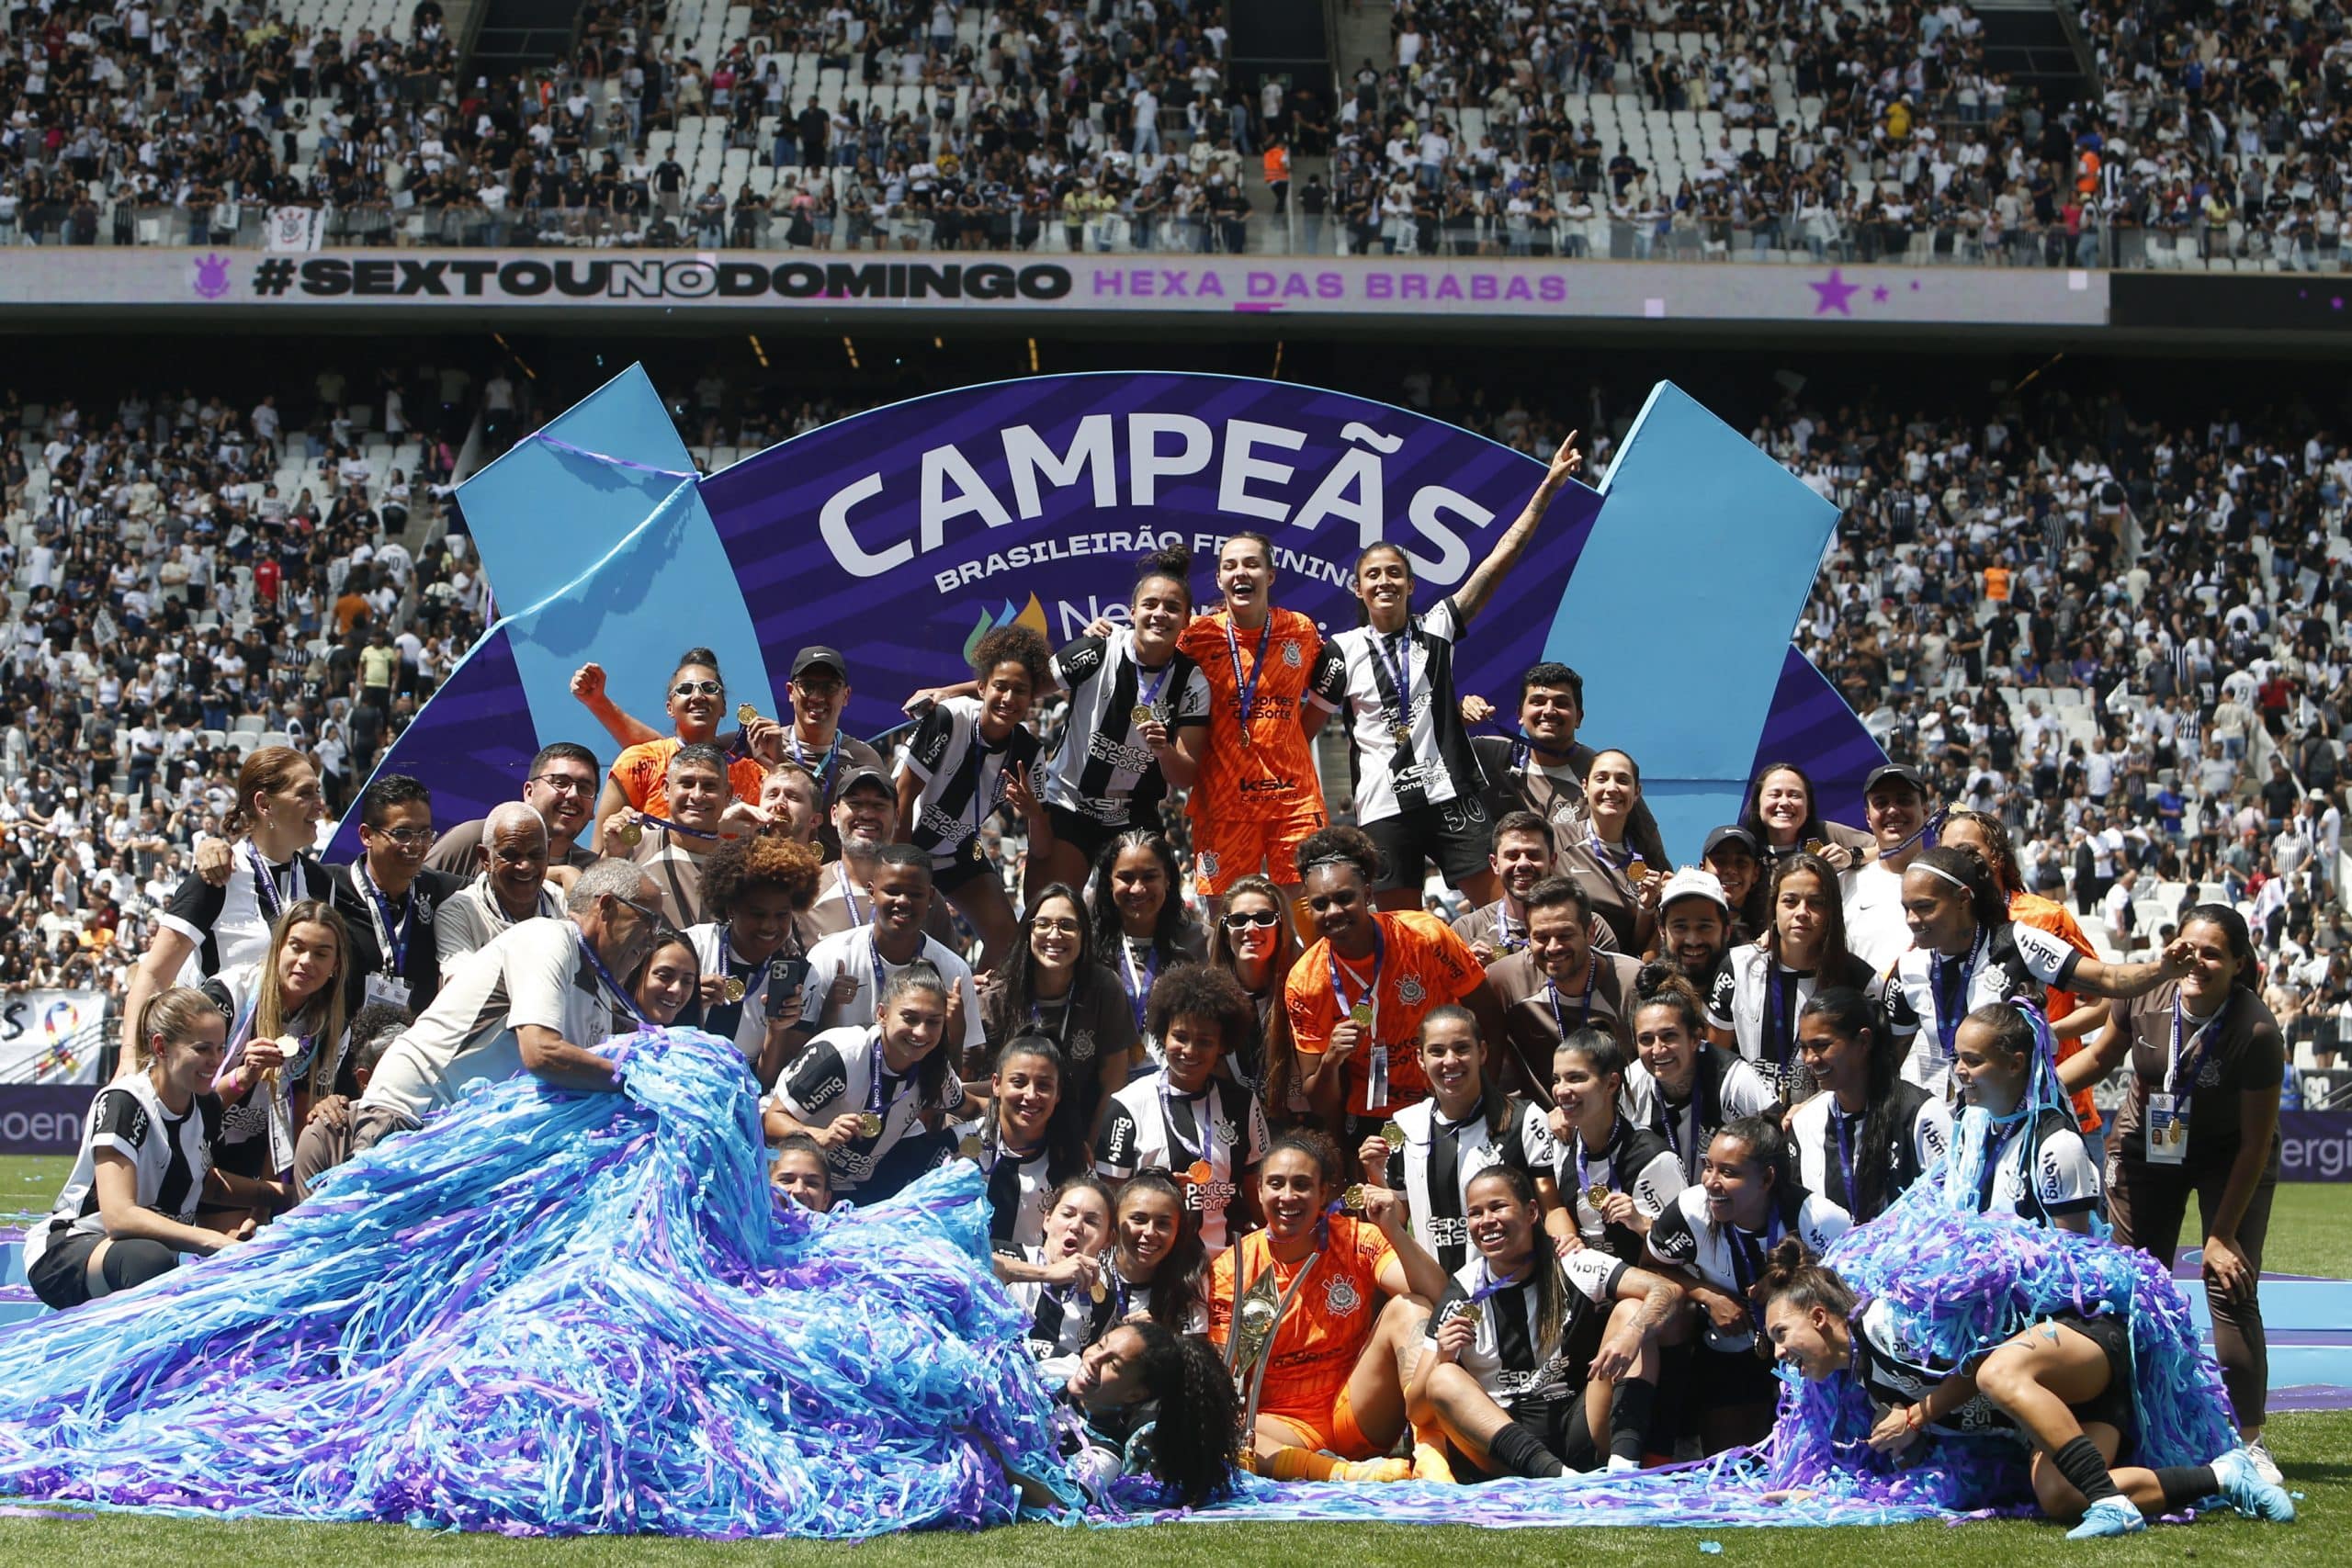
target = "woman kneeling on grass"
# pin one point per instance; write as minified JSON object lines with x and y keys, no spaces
{"x":2061,"y":1386}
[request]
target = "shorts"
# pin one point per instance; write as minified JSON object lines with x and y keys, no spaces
{"x":1333,"y":1431}
{"x":1082,"y":832}
{"x":1225,"y":852}
{"x":1457,"y":835}
{"x":1724,"y":1379}
{"x":2112,"y":1405}
{"x":969,"y":863}
{"x":1558,"y":1424}
{"x":60,"y":1275}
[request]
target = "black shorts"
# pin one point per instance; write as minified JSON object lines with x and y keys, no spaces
{"x":1558,"y":1424}
{"x":1076,"y":828}
{"x":2112,"y":1405}
{"x":1457,"y":836}
{"x":1721,"y":1380}
{"x":969,"y":863}
{"x":60,"y":1275}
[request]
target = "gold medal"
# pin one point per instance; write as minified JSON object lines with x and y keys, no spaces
{"x":1637,"y":870}
{"x":632,"y":834}
{"x":1352,"y":1199}
{"x":869,"y":1125}
{"x":970,"y":1147}
{"x":1392,"y":1134}
{"x":1816,"y":847}
{"x":1200,"y":1173}
{"x":731,"y":989}
{"x":1469,"y":1311}
{"x":1362,"y":1014}
{"x":1597,"y":1194}
{"x":745,"y":714}
{"x":1099,"y":1292}
{"x":1142,"y":715}
{"x":1402,"y":736}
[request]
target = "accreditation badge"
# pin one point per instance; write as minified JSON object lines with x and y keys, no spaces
{"x":2167,"y":1129}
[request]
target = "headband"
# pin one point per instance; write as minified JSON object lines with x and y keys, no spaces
{"x":1940,"y":871}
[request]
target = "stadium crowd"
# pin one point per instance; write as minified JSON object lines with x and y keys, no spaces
{"x":1861,"y":132}
{"x":1864,"y":131}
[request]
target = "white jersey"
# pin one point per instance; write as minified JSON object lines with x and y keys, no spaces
{"x":745,"y":1022}
{"x":843,"y":1072}
{"x":2037,"y":1171}
{"x":1927,"y":995}
{"x":169,"y":1158}
{"x":853,"y":952}
{"x":1433,"y":1146}
{"x":1507,"y":1353}
{"x":1731,"y":1259}
{"x":1876,"y":932}
{"x":1151,"y":1122}
{"x":1436,"y":766}
{"x":1827,"y":1144}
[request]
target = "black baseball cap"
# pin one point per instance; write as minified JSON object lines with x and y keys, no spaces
{"x":827,"y":658}
{"x":1900,"y":772}
{"x":1730,"y":834}
{"x":862,"y":773}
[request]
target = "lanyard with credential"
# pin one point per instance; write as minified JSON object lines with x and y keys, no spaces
{"x":392,"y":938}
{"x":612,"y":986}
{"x":1584,"y":1008}
{"x":266,"y":893}
{"x":1951,"y":1001}
{"x":1365,"y":1011}
{"x":2200,"y":1045}
{"x":1246,"y":691}
{"x":1400,"y":675}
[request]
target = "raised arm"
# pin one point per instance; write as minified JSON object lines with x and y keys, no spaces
{"x":588,"y":685}
{"x":1475,"y":592}
{"x":2124,"y":981}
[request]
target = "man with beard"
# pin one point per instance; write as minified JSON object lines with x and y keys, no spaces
{"x":1521,"y":858}
{"x":1557,"y":983}
{"x":864,"y":806}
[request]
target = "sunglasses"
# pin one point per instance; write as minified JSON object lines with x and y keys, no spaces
{"x":1242,"y":920}
{"x":692,"y":688}
{"x":407,"y":838}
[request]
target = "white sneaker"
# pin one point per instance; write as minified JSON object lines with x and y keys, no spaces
{"x":1619,"y":1464}
{"x":2264,"y":1465}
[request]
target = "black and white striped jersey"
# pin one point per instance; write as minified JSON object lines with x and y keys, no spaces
{"x":963,"y":777}
{"x":1100,"y":768}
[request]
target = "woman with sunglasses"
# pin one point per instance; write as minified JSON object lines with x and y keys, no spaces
{"x":1251,"y":941}
{"x":1053,"y":984}
{"x":696,"y":705}
{"x":1141,"y":927}
{"x":128,"y":1208}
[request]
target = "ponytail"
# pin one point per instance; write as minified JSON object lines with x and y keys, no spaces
{"x":1196,"y":1437}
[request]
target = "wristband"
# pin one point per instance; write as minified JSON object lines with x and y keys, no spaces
{"x":1915,"y":1417}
